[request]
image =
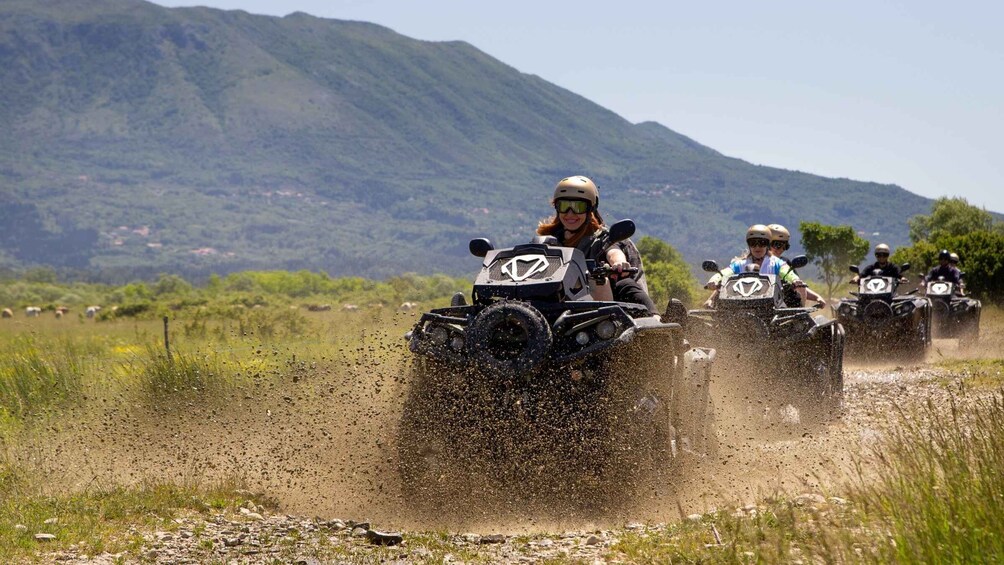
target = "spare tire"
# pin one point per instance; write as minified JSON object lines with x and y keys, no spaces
{"x":509,"y":337}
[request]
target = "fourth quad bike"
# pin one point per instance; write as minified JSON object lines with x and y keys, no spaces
{"x":955,"y":315}
{"x":778,"y":366}
{"x":880,"y":322}
{"x":537,"y":387}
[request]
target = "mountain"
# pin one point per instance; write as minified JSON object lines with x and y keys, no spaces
{"x":139,"y":139}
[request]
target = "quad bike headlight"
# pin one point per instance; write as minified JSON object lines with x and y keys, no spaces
{"x":437,"y":335}
{"x":606,"y":329}
{"x":905,"y":308}
{"x":457,"y":343}
{"x":582,"y":338}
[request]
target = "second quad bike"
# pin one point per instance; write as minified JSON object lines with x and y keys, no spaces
{"x":537,"y":382}
{"x":782,"y":365}
{"x":878,"y":321}
{"x":954,"y":315}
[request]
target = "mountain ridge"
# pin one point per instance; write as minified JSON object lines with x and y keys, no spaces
{"x":303,"y":142}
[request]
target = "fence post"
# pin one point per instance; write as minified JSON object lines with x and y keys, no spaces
{"x":167,"y":343}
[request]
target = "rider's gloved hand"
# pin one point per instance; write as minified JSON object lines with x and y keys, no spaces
{"x":709,"y":303}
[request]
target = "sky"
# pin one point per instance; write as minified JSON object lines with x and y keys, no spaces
{"x":906,"y":93}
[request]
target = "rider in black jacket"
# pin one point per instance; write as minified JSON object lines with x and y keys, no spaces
{"x":882,"y":264}
{"x":577,"y":223}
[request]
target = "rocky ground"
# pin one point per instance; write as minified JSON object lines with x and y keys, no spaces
{"x":808,"y":469}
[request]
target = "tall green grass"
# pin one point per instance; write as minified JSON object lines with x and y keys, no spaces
{"x":940,"y":492}
{"x":37,"y":375}
{"x":182,"y":374}
{"x":932,"y":493}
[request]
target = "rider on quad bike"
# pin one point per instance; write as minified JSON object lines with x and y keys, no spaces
{"x":756,"y":258}
{"x":577,"y":223}
{"x":944,"y":269}
{"x":779,"y":243}
{"x":882,"y":264}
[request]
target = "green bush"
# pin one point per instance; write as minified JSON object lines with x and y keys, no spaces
{"x":667,"y":273}
{"x":181,"y":374}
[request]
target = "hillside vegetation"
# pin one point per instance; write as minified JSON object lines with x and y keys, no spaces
{"x":139,"y":139}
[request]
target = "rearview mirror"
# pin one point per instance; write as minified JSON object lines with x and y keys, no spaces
{"x":854,"y":269}
{"x":480,"y":247}
{"x":799,"y":262}
{"x":904,"y":267}
{"x":710,"y":266}
{"x":621,"y":230}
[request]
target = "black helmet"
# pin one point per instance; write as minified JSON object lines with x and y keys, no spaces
{"x":944,"y":254}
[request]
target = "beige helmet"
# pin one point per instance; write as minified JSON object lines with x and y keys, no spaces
{"x":779,"y":233}
{"x":882,"y":248}
{"x":579,"y":188}
{"x":758,"y":231}
{"x":953,"y":258}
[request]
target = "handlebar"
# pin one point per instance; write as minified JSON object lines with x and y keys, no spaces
{"x":603,"y":272}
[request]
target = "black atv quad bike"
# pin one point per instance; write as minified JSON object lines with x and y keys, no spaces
{"x":879,"y":322}
{"x":537,"y":389}
{"x":778,"y":366}
{"x":955,"y":316}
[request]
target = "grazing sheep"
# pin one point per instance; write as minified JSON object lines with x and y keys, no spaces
{"x":32,"y":311}
{"x":349,"y":307}
{"x":92,"y":311}
{"x":408,"y":306}
{"x":8,"y":313}
{"x":59,"y":314}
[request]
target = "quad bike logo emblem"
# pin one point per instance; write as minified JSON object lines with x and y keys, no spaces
{"x":939,"y":288}
{"x":875,"y":285}
{"x":747,"y":287}
{"x":525,"y":266}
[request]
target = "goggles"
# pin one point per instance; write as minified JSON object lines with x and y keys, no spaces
{"x":881,"y":254}
{"x":576,"y":206}
{"x":757,"y":242}
{"x":778,"y":245}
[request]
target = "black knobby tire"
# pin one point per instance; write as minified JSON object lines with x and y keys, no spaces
{"x":509,"y":337}
{"x":835,"y":398}
{"x":825,"y":369}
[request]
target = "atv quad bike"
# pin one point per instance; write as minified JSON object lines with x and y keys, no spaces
{"x":955,"y":316}
{"x":538,"y":385}
{"x":878,"y":322}
{"x":779,"y":365}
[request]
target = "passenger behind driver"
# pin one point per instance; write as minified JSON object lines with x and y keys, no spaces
{"x":577,"y":223}
{"x":780,"y":239}
{"x":953,"y":260}
{"x":756,"y":257}
{"x":882,"y":264}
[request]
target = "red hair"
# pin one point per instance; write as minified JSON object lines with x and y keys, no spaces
{"x":553,"y":226}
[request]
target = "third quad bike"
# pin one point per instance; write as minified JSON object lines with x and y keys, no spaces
{"x":955,"y":315}
{"x":536,"y":381}
{"x":784,"y":365}
{"x":880,"y":322}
